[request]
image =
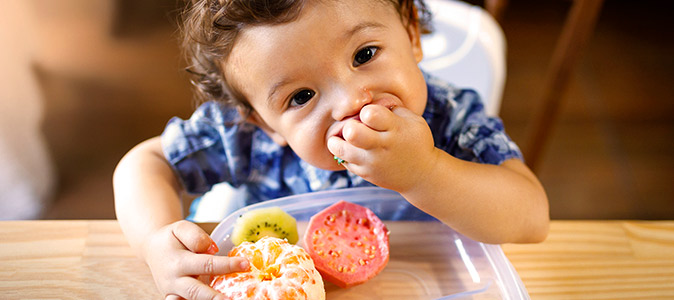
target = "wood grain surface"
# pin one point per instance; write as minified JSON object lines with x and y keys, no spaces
{"x":70,"y":260}
{"x":599,"y":260}
{"x":579,"y":260}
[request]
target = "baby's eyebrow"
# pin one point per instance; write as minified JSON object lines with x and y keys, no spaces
{"x":274,"y":89}
{"x":362,"y":27}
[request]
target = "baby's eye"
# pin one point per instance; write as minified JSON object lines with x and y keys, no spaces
{"x":364,"y":55}
{"x":301,"y":97}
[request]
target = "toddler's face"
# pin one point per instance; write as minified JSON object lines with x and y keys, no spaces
{"x":305,"y":78}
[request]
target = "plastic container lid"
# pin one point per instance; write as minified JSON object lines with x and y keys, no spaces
{"x":428,"y":260}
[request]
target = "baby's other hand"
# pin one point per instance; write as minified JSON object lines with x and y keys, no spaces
{"x":389,"y":147}
{"x":179,"y":253}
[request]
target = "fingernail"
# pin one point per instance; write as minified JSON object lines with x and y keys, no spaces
{"x":219,"y":297}
{"x":213,"y":248}
{"x":244,"y":265}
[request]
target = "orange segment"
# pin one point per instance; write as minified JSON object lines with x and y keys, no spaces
{"x":279,"y":270}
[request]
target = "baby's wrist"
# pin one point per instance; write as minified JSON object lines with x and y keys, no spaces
{"x":147,"y":247}
{"x":425,"y":170}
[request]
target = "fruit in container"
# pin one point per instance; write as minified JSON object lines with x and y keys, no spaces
{"x":348,"y":243}
{"x":270,"y":221}
{"x":278,"y":271}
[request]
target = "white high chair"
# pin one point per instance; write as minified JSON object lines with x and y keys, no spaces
{"x":467,"y":49}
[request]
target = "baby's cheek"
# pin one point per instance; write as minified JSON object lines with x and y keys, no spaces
{"x":315,"y":152}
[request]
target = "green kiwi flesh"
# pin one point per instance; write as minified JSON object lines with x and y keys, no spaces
{"x":269,"y":221}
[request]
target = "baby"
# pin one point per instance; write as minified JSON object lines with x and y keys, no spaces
{"x":307,"y":95}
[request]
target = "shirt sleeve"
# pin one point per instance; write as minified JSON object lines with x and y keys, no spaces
{"x":474,"y":136}
{"x":209,"y":148}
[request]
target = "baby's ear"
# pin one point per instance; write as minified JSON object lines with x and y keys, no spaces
{"x":255,"y":119}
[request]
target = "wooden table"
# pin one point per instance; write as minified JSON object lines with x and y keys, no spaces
{"x":579,"y":260}
{"x":599,"y":260}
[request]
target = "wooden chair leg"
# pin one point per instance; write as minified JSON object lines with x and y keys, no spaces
{"x":578,"y":27}
{"x":496,"y":8}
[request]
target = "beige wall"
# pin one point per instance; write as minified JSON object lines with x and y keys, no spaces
{"x":77,"y":93}
{"x":26,"y":175}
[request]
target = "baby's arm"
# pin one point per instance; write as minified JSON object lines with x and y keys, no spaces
{"x":489,"y":203}
{"x":148,"y":207}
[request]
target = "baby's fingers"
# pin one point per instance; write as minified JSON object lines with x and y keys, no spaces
{"x":360,"y":135}
{"x":337,"y":146}
{"x":194,"y":238}
{"x":193,"y":289}
{"x":377,"y":117}
{"x":206,"y":264}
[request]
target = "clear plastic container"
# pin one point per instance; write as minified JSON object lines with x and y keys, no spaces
{"x":428,"y":260}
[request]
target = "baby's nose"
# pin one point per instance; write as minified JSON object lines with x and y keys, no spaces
{"x":352,"y":104}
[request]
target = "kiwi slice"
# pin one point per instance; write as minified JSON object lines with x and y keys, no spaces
{"x":269,"y":221}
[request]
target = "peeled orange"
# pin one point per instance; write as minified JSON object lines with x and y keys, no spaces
{"x":278,"y":270}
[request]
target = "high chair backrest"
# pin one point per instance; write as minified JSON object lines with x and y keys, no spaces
{"x":466,"y":49}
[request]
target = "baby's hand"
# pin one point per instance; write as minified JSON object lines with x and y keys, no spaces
{"x":179,"y":253}
{"x":389,"y":148}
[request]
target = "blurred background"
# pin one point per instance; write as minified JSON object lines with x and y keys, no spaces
{"x":83,"y":81}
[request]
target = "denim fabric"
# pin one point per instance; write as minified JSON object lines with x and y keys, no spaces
{"x":213,"y":147}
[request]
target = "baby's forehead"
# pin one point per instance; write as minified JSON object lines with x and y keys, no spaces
{"x":391,"y":3}
{"x":377,"y":10}
{"x":312,"y":13}
{"x":323,"y":32}
{"x":374,"y":4}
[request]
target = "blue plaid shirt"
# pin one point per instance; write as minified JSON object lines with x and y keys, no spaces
{"x":213,"y":147}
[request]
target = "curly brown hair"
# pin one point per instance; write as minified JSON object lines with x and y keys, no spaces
{"x":210,"y":28}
